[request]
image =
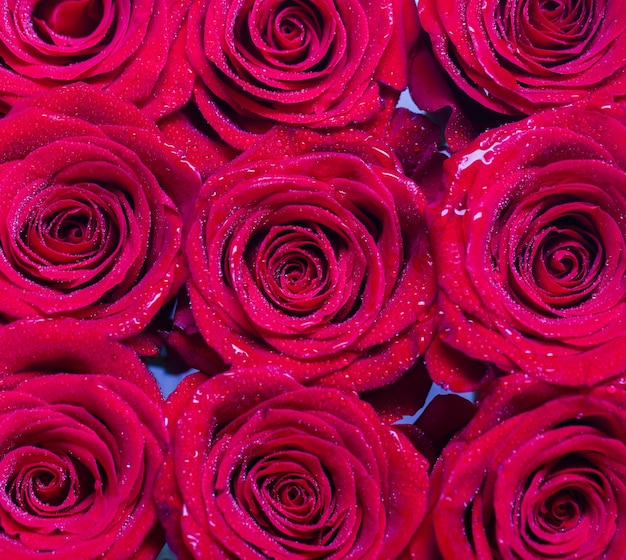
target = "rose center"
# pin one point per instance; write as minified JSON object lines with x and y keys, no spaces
{"x":72,"y":226}
{"x":289,"y":36}
{"x":70,"y":18}
{"x":68,"y":236}
{"x":65,"y":230}
{"x":49,"y":484}
{"x":550,"y":6}
{"x":290,"y":26}
{"x":565,"y":507}
{"x":292,"y":267}
{"x":548,"y":32}
{"x":289,"y":494}
{"x":562,"y":510}
{"x":566,"y":258}
{"x":289,"y":29}
{"x":560,"y":260}
{"x":49,"y":488}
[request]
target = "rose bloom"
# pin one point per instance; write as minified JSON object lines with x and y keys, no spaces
{"x":90,"y":211}
{"x":318,"y":64}
{"x":82,"y":435}
{"x":519,"y":57}
{"x":538,"y":473}
{"x":116,"y":45}
{"x":530,"y":249}
{"x":262,"y":467}
{"x":310,"y":252}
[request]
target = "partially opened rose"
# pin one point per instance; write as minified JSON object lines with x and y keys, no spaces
{"x":521,"y":56}
{"x":262,"y":467}
{"x":530,"y":247}
{"x":538,"y":473}
{"x":82,"y":435}
{"x":90,"y":211}
{"x":318,"y":64}
{"x":117,"y":45}
{"x":310,"y":252}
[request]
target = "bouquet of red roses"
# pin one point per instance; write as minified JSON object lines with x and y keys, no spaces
{"x":294,"y":279}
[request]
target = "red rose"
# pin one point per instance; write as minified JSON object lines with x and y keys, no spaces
{"x":310,"y":252}
{"x":518,"y":57}
{"x":82,"y":435}
{"x":261,"y":466}
{"x":318,"y":64}
{"x":530,"y":248}
{"x":113,"y":44}
{"x":89,"y":211}
{"x":538,"y":473}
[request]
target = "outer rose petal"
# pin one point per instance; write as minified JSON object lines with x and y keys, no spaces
{"x":91,"y":211}
{"x":537,"y":473}
{"x":215,"y":501}
{"x":402,"y":398}
{"x":313,"y":258}
{"x":522,"y":57}
{"x":79,"y":450}
{"x":529,"y":243}
{"x":318,"y":64}
{"x":187,"y":130}
{"x":414,"y":139}
{"x":431,"y":91}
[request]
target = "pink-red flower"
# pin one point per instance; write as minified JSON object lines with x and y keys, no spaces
{"x":538,"y":473}
{"x":310,"y":252}
{"x":530,"y":249}
{"x":318,"y":64}
{"x":82,"y":434}
{"x":522,"y":56}
{"x":125,"y":47}
{"x":91,"y":211}
{"x":261,"y":466}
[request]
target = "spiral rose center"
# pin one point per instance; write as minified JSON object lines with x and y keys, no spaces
{"x":46,"y":484}
{"x":293,"y":266}
{"x":291,"y":34}
{"x":68,"y":235}
{"x":559,"y":260}
{"x":550,"y":32}
{"x":289,"y":27}
{"x":70,"y":18}
{"x":566,"y":257}
{"x":566,"y":506}
{"x":562,"y":511}
{"x":289,"y":494}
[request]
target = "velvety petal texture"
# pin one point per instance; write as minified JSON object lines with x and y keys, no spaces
{"x":318,"y":64}
{"x":310,"y":252}
{"x":82,"y":434}
{"x":117,"y":45}
{"x":538,"y":473}
{"x":530,"y":246}
{"x":521,"y":56}
{"x":90,"y":211}
{"x":262,"y":467}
